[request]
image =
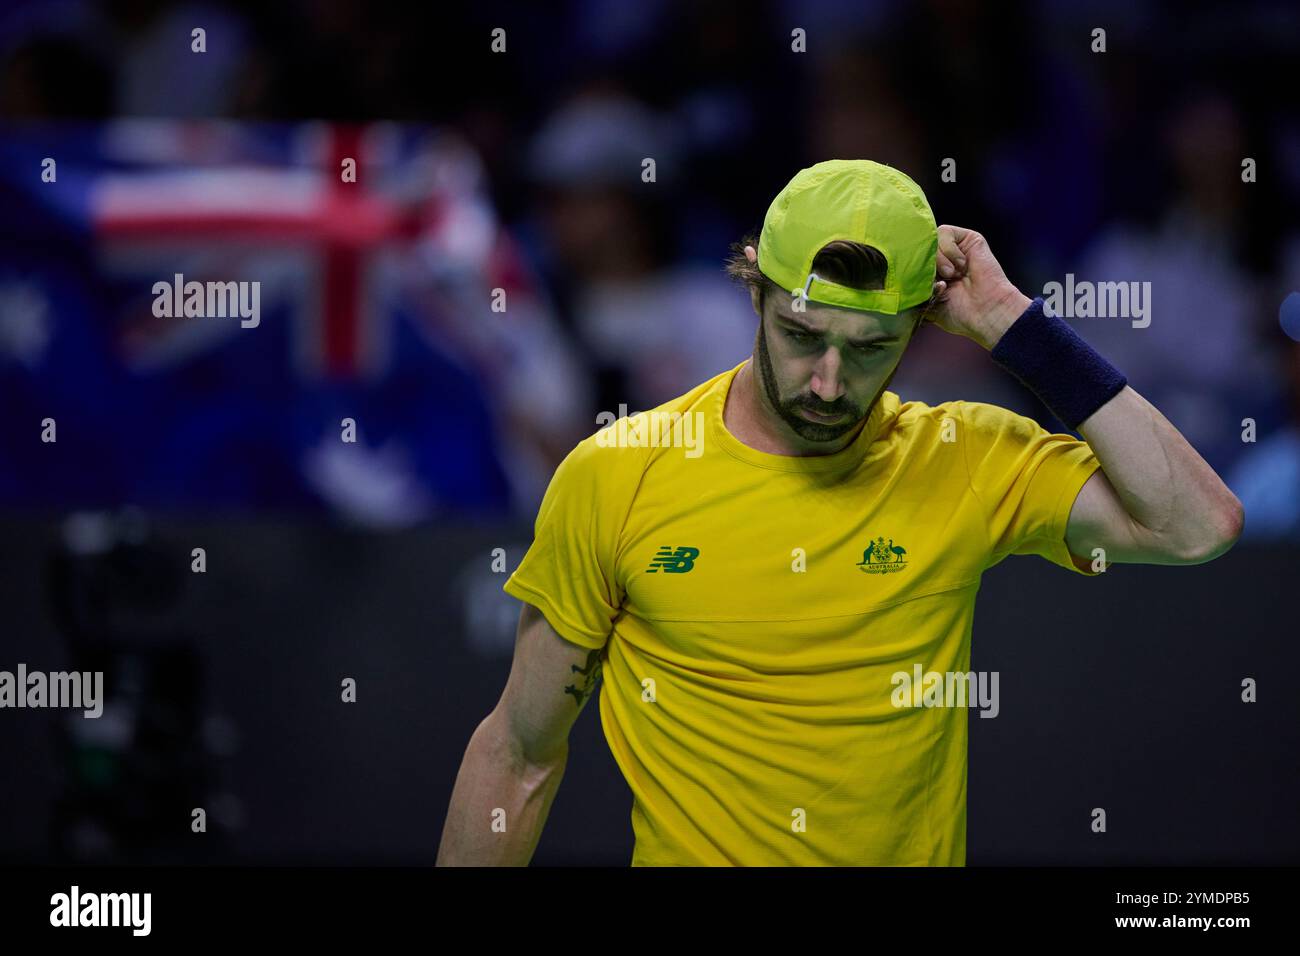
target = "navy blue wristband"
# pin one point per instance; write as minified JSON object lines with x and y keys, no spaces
{"x":1054,"y":363}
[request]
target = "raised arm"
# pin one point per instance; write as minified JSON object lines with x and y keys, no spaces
{"x":1154,"y":500}
{"x":516,"y":757}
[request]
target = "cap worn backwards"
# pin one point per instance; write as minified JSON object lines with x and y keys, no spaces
{"x":860,"y":201}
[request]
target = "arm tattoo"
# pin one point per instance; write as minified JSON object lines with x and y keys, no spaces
{"x":591,"y":673}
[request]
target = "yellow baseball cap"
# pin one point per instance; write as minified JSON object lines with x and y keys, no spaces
{"x":860,"y":201}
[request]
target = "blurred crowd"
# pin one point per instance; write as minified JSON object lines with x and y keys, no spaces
{"x":1122,"y":165}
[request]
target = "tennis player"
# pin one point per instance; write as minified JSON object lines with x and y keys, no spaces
{"x":751,"y":606}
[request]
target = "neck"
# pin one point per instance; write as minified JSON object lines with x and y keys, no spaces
{"x":747,"y":414}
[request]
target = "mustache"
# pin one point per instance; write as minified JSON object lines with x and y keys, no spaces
{"x":819,"y":408}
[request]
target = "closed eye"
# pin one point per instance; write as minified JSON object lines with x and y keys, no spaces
{"x":807,"y":338}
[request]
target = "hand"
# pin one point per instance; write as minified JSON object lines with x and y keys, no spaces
{"x":974,"y":298}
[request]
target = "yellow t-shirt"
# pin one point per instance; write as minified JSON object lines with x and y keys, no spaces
{"x":755,"y":610}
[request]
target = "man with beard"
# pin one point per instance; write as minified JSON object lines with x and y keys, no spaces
{"x":758,"y":612}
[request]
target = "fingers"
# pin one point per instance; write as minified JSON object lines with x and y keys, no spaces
{"x":950,"y":265}
{"x":937,"y":297}
{"x":944,"y":266}
{"x":957,"y":234}
{"x":950,"y":261}
{"x":940,"y":291}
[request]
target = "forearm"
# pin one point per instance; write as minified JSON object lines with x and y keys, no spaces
{"x":499,"y":803}
{"x":1164,"y":484}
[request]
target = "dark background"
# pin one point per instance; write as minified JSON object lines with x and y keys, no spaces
{"x":1121,"y":692}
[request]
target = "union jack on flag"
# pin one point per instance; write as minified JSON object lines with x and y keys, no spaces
{"x":375,"y":252}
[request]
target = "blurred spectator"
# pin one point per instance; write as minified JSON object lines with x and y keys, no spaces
{"x":49,"y":63}
{"x":539,"y":388}
{"x":1202,"y":360}
{"x":1267,"y":475}
{"x":159,"y":72}
{"x":652,"y":327}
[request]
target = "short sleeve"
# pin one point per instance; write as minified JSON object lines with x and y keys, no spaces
{"x":1026,"y":479}
{"x":568,"y":573}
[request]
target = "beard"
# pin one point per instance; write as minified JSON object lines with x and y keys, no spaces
{"x":788,"y":408}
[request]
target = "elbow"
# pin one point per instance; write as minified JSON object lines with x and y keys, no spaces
{"x":1236,"y":519}
{"x":1225,"y":533}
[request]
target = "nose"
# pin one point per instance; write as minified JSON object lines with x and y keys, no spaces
{"x":827,"y":378}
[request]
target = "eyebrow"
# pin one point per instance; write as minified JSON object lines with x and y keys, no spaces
{"x":882,"y":338}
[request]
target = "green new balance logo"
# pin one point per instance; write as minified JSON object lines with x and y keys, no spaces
{"x":674,"y":560}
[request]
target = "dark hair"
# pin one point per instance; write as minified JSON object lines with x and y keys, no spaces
{"x":845,"y":263}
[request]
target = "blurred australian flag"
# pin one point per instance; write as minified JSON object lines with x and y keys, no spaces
{"x":375,"y":305}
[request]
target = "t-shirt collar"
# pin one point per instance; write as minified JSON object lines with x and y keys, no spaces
{"x":847,"y":457}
